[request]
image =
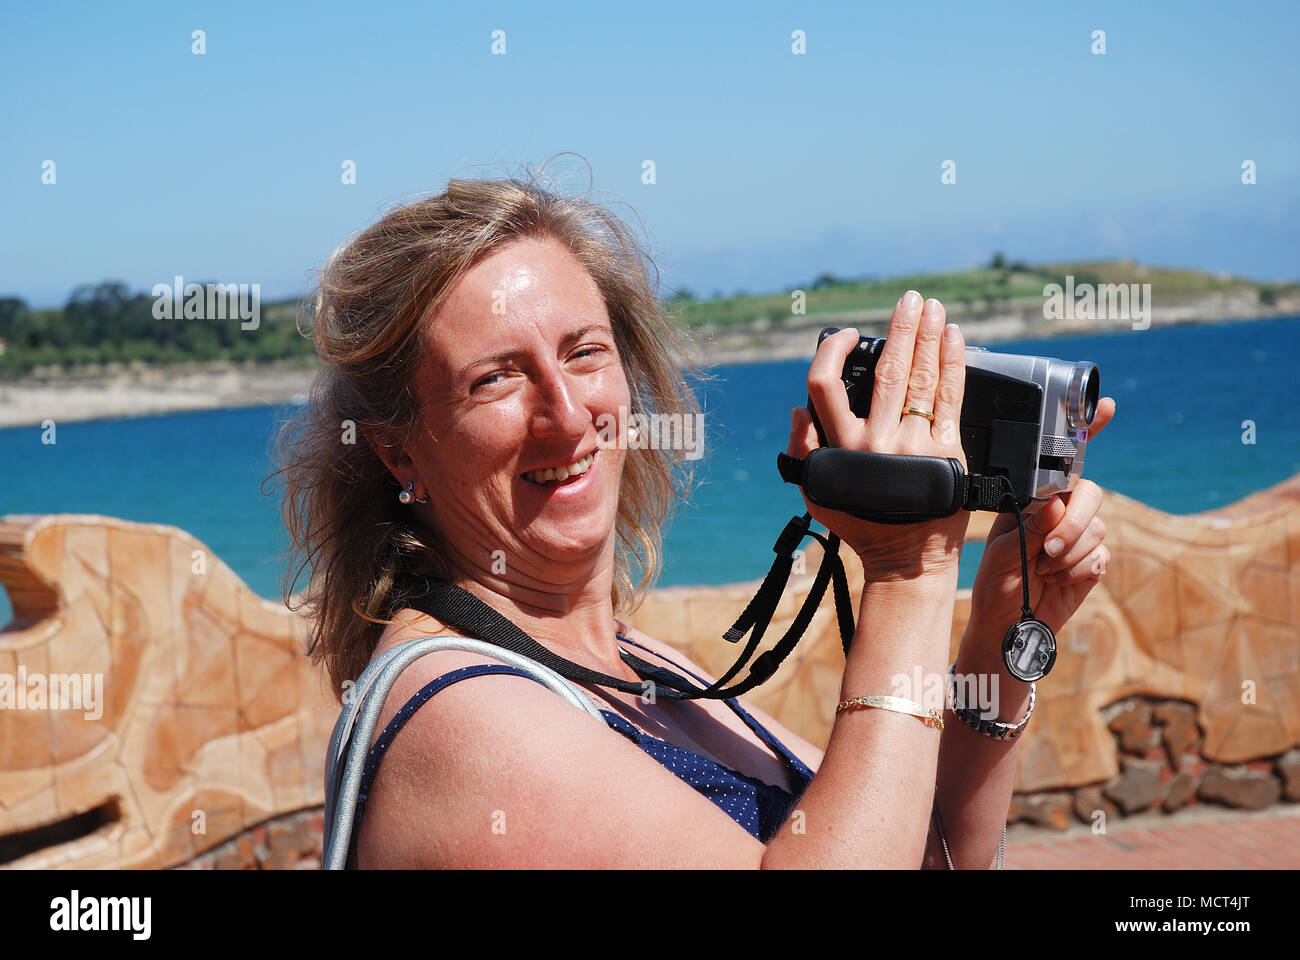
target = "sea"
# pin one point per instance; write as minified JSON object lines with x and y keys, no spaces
{"x":1206,"y":414}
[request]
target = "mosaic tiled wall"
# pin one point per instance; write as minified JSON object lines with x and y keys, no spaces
{"x":1178,"y":682}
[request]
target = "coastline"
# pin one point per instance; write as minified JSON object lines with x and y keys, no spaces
{"x":1013,"y":320}
{"x":149,"y":391}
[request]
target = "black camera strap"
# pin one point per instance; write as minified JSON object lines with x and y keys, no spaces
{"x":458,"y":607}
{"x":885,"y":488}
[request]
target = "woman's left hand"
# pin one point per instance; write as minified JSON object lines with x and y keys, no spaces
{"x":1059,"y":579}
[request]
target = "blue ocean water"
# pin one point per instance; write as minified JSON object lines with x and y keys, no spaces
{"x":1182,"y":396}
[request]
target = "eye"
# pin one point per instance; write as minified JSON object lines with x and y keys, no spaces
{"x":487,"y":381}
{"x":588,"y":351}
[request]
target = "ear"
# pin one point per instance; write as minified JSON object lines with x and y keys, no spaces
{"x":392,"y":452}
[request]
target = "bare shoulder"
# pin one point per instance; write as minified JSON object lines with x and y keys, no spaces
{"x":407,"y":625}
{"x":499,"y":771}
{"x":805,"y":751}
{"x":410,"y":625}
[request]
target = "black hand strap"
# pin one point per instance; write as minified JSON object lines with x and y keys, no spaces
{"x":890,"y":488}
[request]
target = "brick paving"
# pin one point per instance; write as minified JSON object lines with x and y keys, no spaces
{"x":1206,"y":838}
{"x":1196,"y":838}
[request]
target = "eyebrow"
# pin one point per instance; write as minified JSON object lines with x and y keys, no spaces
{"x":504,"y":356}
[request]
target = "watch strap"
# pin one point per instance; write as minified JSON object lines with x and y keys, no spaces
{"x":989,"y":728}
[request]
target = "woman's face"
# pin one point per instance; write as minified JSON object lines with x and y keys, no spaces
{"x":521,"y":366}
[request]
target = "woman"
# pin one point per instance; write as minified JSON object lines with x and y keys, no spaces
{"x":482,"y":342}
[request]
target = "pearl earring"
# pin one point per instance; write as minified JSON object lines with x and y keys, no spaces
{"x":406,"y":496}
{"x":632,"y":435}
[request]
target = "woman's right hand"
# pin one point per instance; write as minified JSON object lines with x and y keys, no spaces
{"x":922,"y":365}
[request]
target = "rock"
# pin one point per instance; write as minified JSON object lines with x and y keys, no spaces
{"x":1179,"y":729}
{"x":289,"y":839}
{"x":1179,"y":792}
{"x":1288,"y":768}
{"x":301,"y":835}
{"x":1018,"y":811}
{"x":1133,"y":724}
{"x":1041,"y":809}
{"x":238,"y":854}
{"x":1195,"y":765}
{"x":1088,"y":800}
{"x":1237,"y":787}
{"x":1137,"y":787}
{"x":280,"y":854}
{"x":1166,"y":711}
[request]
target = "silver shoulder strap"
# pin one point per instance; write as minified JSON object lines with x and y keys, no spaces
{"x":350,"y":741}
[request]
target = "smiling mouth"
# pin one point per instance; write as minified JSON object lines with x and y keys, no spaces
{"x":554,"y":476}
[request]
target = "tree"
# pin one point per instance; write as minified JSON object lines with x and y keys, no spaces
{"x":96,"y":314}
{"x":15,"y":320}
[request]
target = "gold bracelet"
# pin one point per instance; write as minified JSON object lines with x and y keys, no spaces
{"x":896,"y":704}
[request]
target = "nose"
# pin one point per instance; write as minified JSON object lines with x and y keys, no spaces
{"x":559,"y":409}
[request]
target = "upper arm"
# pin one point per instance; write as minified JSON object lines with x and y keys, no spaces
{"x":500,"y":771}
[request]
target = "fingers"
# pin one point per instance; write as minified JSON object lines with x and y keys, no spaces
{"x":826,"y":387}
{"x":894,"y":367}
{"x":924,"y":378}
{"x":1093,"y":566}
{"x":803,"y":435}
{"x":1092,"y":536}
{"x":803,"y":440}
{"x":952,"y":387}
{"x":1037,"y":525}
{"x":1002,"y":523}
{"x":1102,"y":416}
{"x":1085,"y":499}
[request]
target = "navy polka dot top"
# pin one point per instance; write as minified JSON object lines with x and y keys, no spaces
{"x":757,"y":806}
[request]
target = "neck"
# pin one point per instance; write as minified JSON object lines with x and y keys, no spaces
{"x":574,"y":619}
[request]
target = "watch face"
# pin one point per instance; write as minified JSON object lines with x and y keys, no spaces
{"x":1029,"y":650}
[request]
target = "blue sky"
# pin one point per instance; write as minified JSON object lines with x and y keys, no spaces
{"x":771,"y":168}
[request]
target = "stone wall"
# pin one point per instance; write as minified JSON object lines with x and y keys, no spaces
{"x":1158,"y":743}
{"x":212,"y":720}
{"x":1177,"y":682}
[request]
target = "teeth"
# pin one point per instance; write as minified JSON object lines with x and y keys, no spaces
{"x":560,"y":474}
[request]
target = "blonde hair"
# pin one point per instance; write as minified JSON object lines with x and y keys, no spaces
{"x":340,"y":503}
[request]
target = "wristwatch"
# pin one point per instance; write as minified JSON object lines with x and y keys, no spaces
{"x":989,"y":728}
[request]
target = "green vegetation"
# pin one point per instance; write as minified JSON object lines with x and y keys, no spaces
{"x":983,"y":288}
{"x":107,"y":324}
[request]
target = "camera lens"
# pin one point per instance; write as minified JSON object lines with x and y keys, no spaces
{"x":1085,"y":390}
{"x":1091,"y":393}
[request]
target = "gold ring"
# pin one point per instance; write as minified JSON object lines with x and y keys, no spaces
{"x":928,"y":414}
